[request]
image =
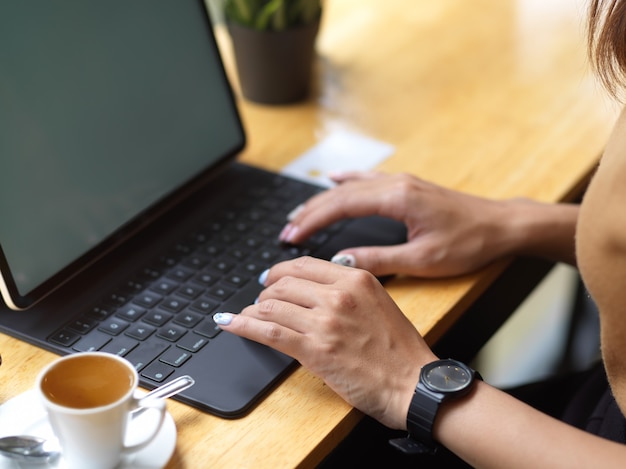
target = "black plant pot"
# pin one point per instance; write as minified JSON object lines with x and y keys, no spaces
{"x":274,"y":67}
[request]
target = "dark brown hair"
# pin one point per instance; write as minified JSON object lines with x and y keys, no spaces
{"x":607,"y":43}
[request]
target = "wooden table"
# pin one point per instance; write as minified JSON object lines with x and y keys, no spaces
{"x":492,"y":97}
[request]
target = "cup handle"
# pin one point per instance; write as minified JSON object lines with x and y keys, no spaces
{"x":152,"y":405}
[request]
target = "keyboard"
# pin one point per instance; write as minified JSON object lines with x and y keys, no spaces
{"x":160,"y":317}
{"x":151,"y":298}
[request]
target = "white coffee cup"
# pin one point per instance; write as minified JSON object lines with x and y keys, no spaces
{"x":89,"y":398}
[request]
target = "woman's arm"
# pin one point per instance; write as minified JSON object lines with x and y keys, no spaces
{"x":491,"y":429}
{"x":340,"y":323}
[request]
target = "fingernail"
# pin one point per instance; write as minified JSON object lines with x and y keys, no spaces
{"x":288,"y":233}
{"x":263,"y":276}
{"x":336,"y":174}
{"x":344,"y":259}
{"x":285,"y":232}
{"x":294,"y":213}
{"x":223,"y":319}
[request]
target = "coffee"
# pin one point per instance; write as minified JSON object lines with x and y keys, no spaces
{"x":87,"y":381}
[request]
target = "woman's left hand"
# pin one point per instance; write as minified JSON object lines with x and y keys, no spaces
{"x":340,"y":323}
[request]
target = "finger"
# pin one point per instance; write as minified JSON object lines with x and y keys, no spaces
{"x":274,"y":335}
{"x":318,"y":212}
{"x":385,"y":260}
{"x":305,"y":268}
{"x":299,"y":291}
{"x":343,"y":176}
{"x":290,"y":315}
{"x":358,"y":198}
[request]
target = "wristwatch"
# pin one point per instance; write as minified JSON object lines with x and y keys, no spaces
{"x":439,"y":381}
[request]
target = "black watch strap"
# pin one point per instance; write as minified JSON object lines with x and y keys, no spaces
{"x":425,"y":406}
{"x":422,"y":412}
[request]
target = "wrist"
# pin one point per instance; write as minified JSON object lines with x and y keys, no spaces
{"x":441,"y":382}
{"x":530,"y":228}
{"x":398,"y":409}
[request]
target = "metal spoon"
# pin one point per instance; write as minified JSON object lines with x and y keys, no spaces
{"x":27,"y":448}
{"x":34,"y":449}
{"x":167,"y":390}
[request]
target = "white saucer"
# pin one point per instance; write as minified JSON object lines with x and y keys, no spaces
{"x":24,"y":415}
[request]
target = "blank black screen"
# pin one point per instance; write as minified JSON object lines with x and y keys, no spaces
{"x":105,"y":108}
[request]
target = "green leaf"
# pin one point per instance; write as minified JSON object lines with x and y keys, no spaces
{"x":266,"y":14}
{"x":275,"y":15}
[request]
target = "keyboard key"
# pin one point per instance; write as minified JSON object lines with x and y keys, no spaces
{"x":150,"y":273}
{"x":257,"y":215}
{"x":175,"y":357}
{"x":268,"y":230}
{"x":252,"y":268}
{"x":187,"y":319}
{"x":133,"y":286}
{"x":171,"y":333}
{"x":130,"y":312}
{"x":183,"y":248}
{"x":120,"y":346}
{"x":212,"y":249}
{"x":317,"y":239}
{"x":196,"y":262}
{"x":267,"y":254}
{"x":113,"y":326}
{"x":93,"y":342}
{"x":100,"y":313}
{"x":190,"y":291}
{"x":208,"y":328}
{"x":83,"y":325}
{"x":157,"y":371}
{"x":236,"y":280}
{"x":222,"y":265}
{"x":140,"y":331}
{"x":157,"y":318}
{"x":148,"y":299}
{"x":164,"y":287}
{"x":228,"y":238}
{"x":253,"y":241}
{"x":192,"y":342}
{"x":147,"y":353}
{"x":116,"y":299}
{"x":220,"y":292}
{"x":173,"y":304}
{"x":65,"y":337}
{"x":205,"y":305}
{"x":206,"y":279}
{"x":180,"y":274}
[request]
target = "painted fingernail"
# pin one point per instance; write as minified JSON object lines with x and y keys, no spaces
{"x":223,"y":319}
{"x":288,"y":233}
{"x":294,"y":213}
{"x":263,"y":276}
{"x":336,"y":174}
{"x":344,"y":259}
{"x":284,"y":234}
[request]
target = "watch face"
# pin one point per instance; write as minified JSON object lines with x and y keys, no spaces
{"x":446,"y":376}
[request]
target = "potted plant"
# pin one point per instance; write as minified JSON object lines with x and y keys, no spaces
{"x":274,"y":46}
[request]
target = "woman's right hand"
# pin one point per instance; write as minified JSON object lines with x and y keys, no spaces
{"x":449,"y":232}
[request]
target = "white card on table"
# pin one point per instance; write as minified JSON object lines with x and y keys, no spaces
{"x":340,"y":151}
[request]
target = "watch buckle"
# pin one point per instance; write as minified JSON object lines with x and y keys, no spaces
{"x":410,"y":446}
